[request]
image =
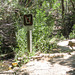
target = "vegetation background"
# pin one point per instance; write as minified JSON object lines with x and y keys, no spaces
{"x":53,"y":20}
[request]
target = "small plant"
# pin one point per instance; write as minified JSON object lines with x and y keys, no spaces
{"x":72,"y":34}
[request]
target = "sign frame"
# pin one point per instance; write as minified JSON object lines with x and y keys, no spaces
{"x":28,"y":20}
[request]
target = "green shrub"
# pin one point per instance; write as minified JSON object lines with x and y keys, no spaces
{"x":72,"y":34}
{"x":21,"y":40}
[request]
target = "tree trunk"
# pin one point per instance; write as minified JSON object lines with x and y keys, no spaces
{"x":72,"y":5}
{"x":62,"y":9}
{"x":67,"y":6}
{"x":63,"y":23}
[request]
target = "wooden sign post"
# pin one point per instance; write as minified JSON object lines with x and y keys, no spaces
{"x":28,"y":21}
{"x":29,"y":40}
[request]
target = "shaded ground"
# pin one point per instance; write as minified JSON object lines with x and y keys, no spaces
{"x":48,"y":64}
{"x":52,"y":66}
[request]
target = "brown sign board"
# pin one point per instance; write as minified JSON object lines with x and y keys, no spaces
{"x":28,"y":20}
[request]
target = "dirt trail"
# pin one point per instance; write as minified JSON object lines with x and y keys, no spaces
{"x":48,"y":64}
{"x":51,"y":66}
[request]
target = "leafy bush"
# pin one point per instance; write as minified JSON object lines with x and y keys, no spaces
{"x":43,"y":28}
{"x":72,"y":34}
{"x":21,"y":39}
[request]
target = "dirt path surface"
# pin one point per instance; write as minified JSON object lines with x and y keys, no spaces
{"x":51,"y":66}
{"x":47,"y":64}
